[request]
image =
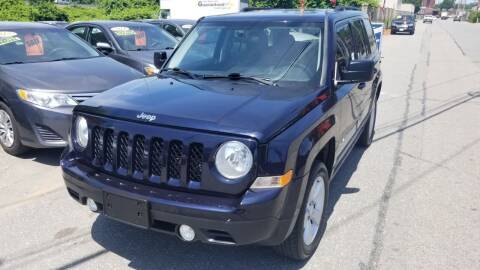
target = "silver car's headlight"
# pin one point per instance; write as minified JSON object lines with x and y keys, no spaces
{"x":233,"y":160}
{"x":81,"y":132}
{"x":46,"y":99}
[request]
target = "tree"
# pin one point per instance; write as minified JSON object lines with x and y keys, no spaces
{"x":14,"y":10}
{"x":47,"y":11}
{"x":447,"y":4}
{"x":416,"y":3}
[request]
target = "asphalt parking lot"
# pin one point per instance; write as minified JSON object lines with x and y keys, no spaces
{"x":410,"y":201}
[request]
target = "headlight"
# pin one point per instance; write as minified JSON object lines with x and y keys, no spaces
{"x":233,"y":160}
{"x":46,"y":99}
{"x":81,"y":132}
{"x":151,"y":70}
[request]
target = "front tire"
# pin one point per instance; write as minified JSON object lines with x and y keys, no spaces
{"x":368,"y":132}
{"x":9,"y":134}
{"x":311,"y":221}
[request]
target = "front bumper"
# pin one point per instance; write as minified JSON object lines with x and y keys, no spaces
{"x":402,"y":28}
{"x":265,"y":217}
{"x":42,"y":127}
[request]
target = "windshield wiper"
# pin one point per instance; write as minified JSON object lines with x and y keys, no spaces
{"x":181,"y":71}
{"x":13,"y":63}
{"x":65,"y":59}
{"x":238,"y":76}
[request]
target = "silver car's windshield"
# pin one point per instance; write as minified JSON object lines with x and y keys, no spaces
{"x":286,"y":52}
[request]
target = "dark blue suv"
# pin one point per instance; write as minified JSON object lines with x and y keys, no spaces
{"x":237,"y":138}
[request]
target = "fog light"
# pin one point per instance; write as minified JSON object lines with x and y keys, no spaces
{"x":92,"y":205}
{"x":186,"y":233}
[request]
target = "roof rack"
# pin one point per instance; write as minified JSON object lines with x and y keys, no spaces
{"x":344,"y":8}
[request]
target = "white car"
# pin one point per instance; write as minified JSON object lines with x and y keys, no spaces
{"x":428,"y":19}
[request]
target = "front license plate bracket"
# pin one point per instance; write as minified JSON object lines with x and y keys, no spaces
{"x":131,"y":211}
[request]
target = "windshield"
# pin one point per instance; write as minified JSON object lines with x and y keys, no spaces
{"x":41,"y":45}
{"x":404,"y":18}
{"x":276,"y":51}
{"x":139,"y":38}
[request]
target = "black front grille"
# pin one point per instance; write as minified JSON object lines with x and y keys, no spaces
{"x":156,"y":157}
{"x":98,"y":145}
{"x":175,"y":159}
{"x":138,"y":155}
{"x":152,"y":159}
{"x":122,"y":150}
{"x":195,"y":160}
{"x":108,"y":149}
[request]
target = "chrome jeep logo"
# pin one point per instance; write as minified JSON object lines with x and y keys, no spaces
{"x":147,"y":117}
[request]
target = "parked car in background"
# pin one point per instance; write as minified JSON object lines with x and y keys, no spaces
{"x":60,"y":24}
{"x":44,"y":72}
{"x":131,"y":43}
{"x":403,"y":24}
{"x":235,"y":145}
{"x":428,"y":19}
{"x":177,"y":28}
{"x":457,"y":18}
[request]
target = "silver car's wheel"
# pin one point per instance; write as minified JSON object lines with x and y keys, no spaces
{"x":7,"y":135}
{"x":314,"y":211}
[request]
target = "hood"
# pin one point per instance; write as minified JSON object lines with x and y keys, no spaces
{"x":146,"y":57}
{"x":224,"y":106}
{"x":83,"y":75}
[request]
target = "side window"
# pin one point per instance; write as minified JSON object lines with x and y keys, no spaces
{"x":97,"y":36}
{"x":344,"y":45}
{"x":173,"y":30}
{"x":361,"y":48}
{"x":80,"y":31}
{"x":370,"y":35}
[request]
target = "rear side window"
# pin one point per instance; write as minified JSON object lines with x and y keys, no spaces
{"x":361,"y":46}
{"x":80,"y":31}
{"x":173,"y":30}
{"x":97,"y":36}
{"x":370,"y":35}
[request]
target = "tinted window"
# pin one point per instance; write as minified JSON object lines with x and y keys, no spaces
{"x":142,"y":37}
{"x":277,"y":51}
{"x":97,"y":36}
{"x":173,"y":30}
{"x":361,"y":46}
{"x":41,"y":45}
{"x":370,"y":35}
{"x":344,"y":44}
{"x":80,"y":31}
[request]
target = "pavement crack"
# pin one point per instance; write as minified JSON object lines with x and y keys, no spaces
{"x":378,"y":238}
{"x":454,"y":40}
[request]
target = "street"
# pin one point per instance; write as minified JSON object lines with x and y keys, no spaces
{"x":410,"y":201}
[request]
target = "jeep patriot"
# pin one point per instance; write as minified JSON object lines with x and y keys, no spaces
{"x":237,"y":138}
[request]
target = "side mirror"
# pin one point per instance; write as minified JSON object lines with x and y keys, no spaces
{"x":358,"y":71}
{"x":104,"y":47}
{"x":159,"y":59}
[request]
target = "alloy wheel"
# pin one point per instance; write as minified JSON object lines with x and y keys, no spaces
{"x":314,"y":211}
{"x":7,"y":136}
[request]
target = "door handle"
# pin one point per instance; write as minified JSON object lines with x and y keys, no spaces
{"x":362,"y":85}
